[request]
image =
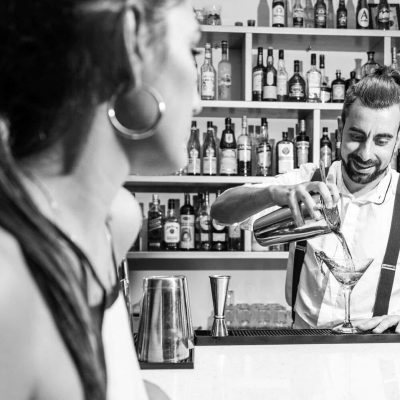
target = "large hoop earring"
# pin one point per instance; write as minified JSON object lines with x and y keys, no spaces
{"x":144,"y":132}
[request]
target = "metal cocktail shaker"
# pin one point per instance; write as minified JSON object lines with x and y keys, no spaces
{"x":279,"y":227}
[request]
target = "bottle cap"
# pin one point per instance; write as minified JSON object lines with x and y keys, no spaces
{"x":251,"y":22}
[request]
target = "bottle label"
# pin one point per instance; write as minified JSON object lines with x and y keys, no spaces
{"x":278,"y":15}
{"x":209,"y":165}
{"x":363,"y":17}
{"x":228,"y":137}
{"x":224,"y":87}
{"x":234,"y":231}
{"x":171,"y":232}
{"x":194,"y":162}
{"x":296,"y":90}
{"x":154,"y":224}
{"x":207,"y":84}
{"x":384,"y":16}
{"x":270,"y":78}
{"x":325,"y":96}
{"x":342,"y":19}
{"x":314,"y":86}
{"x":218,"y":237}
{"x":264,"y":157}
{"x":205,"y":237}
{"x":244,"y":152}
{"x":298,"y":17}
{"x":205,"y":223}
{"x":281,"y":85}
{"x":338,"y":92}
{"x":320,"y":17}
{"x":228,"y":162}
{"x":187,"y":232}
{"x":285,"y":158}
{"x":302,"y":152}
{"x":269,"y":92}
{"x":326,"y":156}
{"x":257,"y":81}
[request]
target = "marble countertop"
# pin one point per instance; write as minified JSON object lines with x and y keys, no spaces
{"x":283,"y":372}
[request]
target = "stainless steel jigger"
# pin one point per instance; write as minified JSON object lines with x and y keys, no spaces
{"x":219,"y":289}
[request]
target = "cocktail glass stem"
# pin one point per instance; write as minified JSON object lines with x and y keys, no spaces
{"x":347,"y":293}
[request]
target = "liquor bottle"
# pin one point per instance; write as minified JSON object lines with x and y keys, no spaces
{"x":338,"y":143}
{"x":187,"y":220}
{"x":383,"y":15}
{"x":224,"y":74}
{"x":235,"y":238}
{"x":154,"y":225}
{"x":209,"y":151}
{"x":325,"y":149}
{"x":253,"y":143}
{"x":362,"y":15}
{"x":394,"y":64}
{"x":263,"y":13}
{"x":302,"y":145}
{"x":264,"y":151}
{"x":258,"y":76}
{"x":205,"y":224}
{"x":282,"y":79}
{"x":197,"y":207}
{"x":278,"y":13}
{"x":298,"y":14}
{"x":172,"y":232}
{"x":297,"y":85}
{"x":284,"y":154}
{"x":371,"y":65}
{"x":320,"y":14}
{"x":341,"y":15}
{"x":309,"y":14}
{"x":228,"y":157}
{"x":313,"y":81}
{"x":338,"y":88}
{"x":325,"y":89}
{"x":270,"y":78}
{"x":193,"y":148}
{"x":244,"y":150}
{"x":351,"y":81}
{"x":219,"y":234}
{"x":330,"y":15}
{"x":208,"y":76}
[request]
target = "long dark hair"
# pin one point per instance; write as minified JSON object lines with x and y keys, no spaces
{"x":59,"y":59}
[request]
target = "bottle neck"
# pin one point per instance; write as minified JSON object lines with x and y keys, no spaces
{"x":260,"y":60}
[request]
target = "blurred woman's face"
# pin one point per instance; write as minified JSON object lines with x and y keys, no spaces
{"x":172,"y":72}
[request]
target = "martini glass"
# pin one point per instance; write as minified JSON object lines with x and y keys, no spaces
{"x":347,"y":271}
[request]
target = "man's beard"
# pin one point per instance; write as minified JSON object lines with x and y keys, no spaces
{"x":357,"y":176}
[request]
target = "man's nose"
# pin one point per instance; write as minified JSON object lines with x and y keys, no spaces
{"x":365,"y":151}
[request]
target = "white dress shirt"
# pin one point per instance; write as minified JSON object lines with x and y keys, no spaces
{"x":365,"y":223}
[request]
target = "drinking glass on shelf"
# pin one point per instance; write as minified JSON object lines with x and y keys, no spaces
{"x":201,"y":15}
{"x":213,"y":13}
{"x":243,"y":315}
{"x":255,"y":315}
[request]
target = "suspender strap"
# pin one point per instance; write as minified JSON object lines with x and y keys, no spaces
{"x":388,"y":268}
{"x":299,"y":254}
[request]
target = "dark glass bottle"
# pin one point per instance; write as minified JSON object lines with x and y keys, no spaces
{"x":278,"y":13}
{"x":270,"y":78}
{"x":284,"y":155}
{"x":264,"y":151}
{"x":228,"y":155}
{"x":219,"y":234}
{"x":338,"y":88}
{"x":362,"y":15}
{"x":171,"y":228}
{"x":193,"y":148}
{"x":187,"y":220}
{"x":235,"y":238}
{"x":205,"y":224}
{"x":371,"y":65}
{"x":209,"y":151}
{"x":383,"y":15}
{"x":351,"y":81}
{"x":154,"y":225}
{"x":197,"y":206}
{"x":298,"y":14}
{"x":338,"y":144}
{"x":341,"y":15}
{"x":258,"y":76}
{"x":325,"y":149}
{"x":320,"y":14}
{"x":302,"y":145}
{"x":297,"y":85}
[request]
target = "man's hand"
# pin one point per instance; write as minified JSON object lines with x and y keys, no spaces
{"x":292,"y":195}
{"x":379,"y":324}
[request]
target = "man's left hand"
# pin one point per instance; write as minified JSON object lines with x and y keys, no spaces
{"x":379,"y":324}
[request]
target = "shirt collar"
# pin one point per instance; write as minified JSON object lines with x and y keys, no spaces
{"x":376,"y":195}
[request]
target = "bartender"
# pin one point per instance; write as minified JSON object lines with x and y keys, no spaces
{"x":365,"y":189}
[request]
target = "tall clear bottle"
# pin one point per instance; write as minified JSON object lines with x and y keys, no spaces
{"x":284,"y":154}
{"x":302,"y":145}
{"x":193,"y":148}
{"x":258,"y":76}
{"x":298,"y":14}
{"x":187,"y":221}
{"x":383,"y":15}
{"x":270,"y":78}
{"x":313,"y":81}
{"x":224,"y":74}
{"x":297,"y":85}
{"x":228,"y":150}
{"x":264,"y":151}
{"x":325,"y":148}
{"x":320,"y":14}
{"x":244,"y":150}
{"x":205,"y":223}
{"x":208,"y":76}
{"x":309,"y":14}
{"x":172,"y":232}
{"x":362,"y":15}
{"x":282,"y":79}
{"x":330,"y":15}
{"x":325,"y":88}
{"x":371,"y":65}
{"x":341,"y":15}
{"x":278,"y":13}
{"x":209,"y":151}
{"x":155,"y":225}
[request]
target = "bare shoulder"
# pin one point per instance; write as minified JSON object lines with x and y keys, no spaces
{"x":126,"y":221}
{"x":16,"y":344}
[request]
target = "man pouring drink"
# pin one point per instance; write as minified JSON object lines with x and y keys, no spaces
{"x":365,"y":191}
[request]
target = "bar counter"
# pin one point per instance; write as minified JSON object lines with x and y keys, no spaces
{"x":282,"y":372}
